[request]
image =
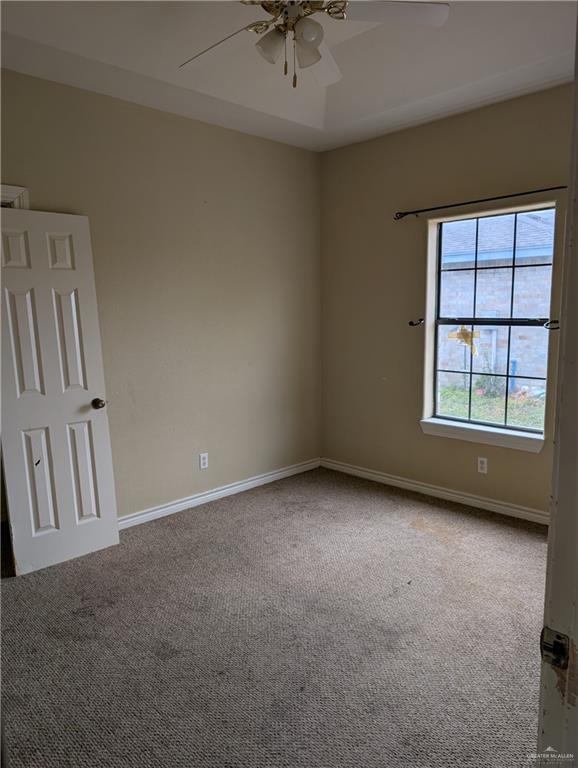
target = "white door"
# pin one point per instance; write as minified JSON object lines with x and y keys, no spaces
{"x":55,"y":437}
{"x":558,"y":734}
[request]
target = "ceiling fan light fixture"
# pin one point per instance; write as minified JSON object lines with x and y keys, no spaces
{"x":307,"y":57}
{"x":271,"y":45}
{"x":309,"y":33}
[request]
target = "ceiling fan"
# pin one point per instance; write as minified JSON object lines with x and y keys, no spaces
{"x":293,"y":18}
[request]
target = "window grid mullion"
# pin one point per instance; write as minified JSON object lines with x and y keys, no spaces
{"x":474,"y":314}
{"x":437,"y":328}
{"x":495,"y":375}
{"x":498,"y":266}
{"x":511,"y":316}
{"x":502,"y":321}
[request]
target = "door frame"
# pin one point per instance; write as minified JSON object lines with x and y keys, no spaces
{"x":558,"y":712}
{"x":14,"y":197}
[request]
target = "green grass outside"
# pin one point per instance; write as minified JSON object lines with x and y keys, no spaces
{"x":525,"y":412}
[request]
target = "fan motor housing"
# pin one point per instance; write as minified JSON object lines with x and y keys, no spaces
{"x":306,"y":8}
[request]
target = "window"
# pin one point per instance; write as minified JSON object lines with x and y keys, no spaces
{"x":490,"y":355}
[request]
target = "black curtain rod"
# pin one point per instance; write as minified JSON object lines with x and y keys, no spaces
{"x":402,"y":214}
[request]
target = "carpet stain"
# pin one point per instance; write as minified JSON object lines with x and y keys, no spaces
{"x":444,"y":532}
{"x":164,"y":650}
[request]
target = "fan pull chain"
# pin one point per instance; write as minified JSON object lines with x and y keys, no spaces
{"x":294,"y":65}
{"x":285,"y":68}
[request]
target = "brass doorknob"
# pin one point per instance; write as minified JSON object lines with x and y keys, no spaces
{"x":98,"y":403}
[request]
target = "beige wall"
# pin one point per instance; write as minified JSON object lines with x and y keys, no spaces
{"x":209,"y":304}
{"x":374,"y":272}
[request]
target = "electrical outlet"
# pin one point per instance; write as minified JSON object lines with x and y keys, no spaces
{"x":203,"y":460}
{"x":482,"y":465}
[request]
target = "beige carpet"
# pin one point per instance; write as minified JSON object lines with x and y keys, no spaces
{"x":317,"y":622}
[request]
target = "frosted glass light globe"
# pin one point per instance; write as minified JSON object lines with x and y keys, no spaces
{"x":309,"y":33}
{"x":271,"y":45}
{"x":307,"y":57}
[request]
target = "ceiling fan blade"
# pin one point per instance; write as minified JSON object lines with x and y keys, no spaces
{"x":326,"y":71}
{"x":210,"y":48}
{"x":429,"y":14}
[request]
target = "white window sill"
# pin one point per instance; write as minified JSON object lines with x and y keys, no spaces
{"x":476,"y":433}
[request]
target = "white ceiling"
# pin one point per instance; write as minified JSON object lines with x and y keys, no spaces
{"x":393,"y":75}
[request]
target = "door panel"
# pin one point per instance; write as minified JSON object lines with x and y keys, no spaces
{"x":23,"y":325}
{"x":15,"y":251}
{"x":83,"y":462}
{"x":70,"y":341}
{"x":40,"y":476}
{"x":56,"y":446}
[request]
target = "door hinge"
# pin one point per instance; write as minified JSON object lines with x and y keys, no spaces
{"x":555,"y":648}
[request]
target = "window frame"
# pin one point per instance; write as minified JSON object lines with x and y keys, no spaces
{"x":521,"y":438}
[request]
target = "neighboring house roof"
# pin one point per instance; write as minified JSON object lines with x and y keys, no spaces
{"x":534,"y":237}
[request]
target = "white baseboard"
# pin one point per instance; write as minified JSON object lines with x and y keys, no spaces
{"x":503,"y":508}
{"x":136,"y":518}
{"x":480,"y":502}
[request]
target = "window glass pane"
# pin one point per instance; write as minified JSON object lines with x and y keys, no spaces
{"x":494,"y":293}
{"x":453,"y":353}
{"x":529,"y":352}
{"x":526,"y":403}
{"x":496,"y":241}
{"x":491,"y":345}
{"x":457,"y":294}
{"x":458,"y":244}
{"x":494,"y":267}
{"x":532,"y":291}
{"x":453,"y":394}
{"x":535,"y":237}
{"x":488,"y":398}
